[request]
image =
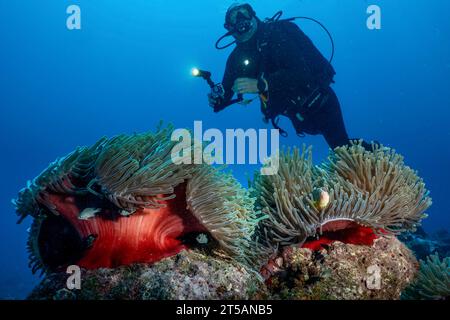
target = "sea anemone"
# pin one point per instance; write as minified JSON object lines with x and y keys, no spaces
{"x":432,"y":282}
{"x":125,"y":201}
{"x":353,"y":197}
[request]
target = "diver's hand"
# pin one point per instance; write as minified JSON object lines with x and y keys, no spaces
{"x":245,"y":85}
{"x":214,"y":101}
{"x":216,"y":96}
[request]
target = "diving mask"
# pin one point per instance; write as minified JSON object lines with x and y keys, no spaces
{"x":239,"y":19}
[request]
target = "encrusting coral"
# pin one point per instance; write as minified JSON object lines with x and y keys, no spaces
{"x":368,"y":193}
{"x":124,"y":200}
{"x":433,"y":281}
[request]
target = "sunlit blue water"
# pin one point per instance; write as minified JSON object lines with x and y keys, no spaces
{"x":128,"y":67}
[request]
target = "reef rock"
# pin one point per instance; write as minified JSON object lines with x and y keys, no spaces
{"x":344,"y":271}
{"x":188,"y":275}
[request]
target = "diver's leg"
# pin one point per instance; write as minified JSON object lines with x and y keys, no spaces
{"x":331,"y":122}
{"x":332,"y":125}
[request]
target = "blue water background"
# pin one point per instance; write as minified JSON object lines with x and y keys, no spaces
{"x":128,"y":67}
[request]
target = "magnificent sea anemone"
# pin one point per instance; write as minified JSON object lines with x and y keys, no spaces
{"x":353,"y":197}
{"x":123,"y":201}
{"x":433,"y":281}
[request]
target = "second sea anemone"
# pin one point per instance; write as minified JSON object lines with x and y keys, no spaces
{"x":353,"y":197}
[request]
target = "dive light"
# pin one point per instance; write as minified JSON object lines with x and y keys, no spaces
{"x":203,"y":74}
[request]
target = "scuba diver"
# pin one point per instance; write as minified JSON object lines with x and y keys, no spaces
{"x":277,"y":61}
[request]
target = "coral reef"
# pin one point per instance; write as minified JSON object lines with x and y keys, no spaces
{"x":124,"y":200}
{"x":343,"y":271}
{"x":364,"y":189}
{"x":433,"y":281}
{"x":424,"y":244}
{"x":186,"y":276}
{"x":145,"y":227}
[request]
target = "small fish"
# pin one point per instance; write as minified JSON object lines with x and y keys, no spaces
{"x":88,"y":213}
{"x":202,"y":238}
{"x":321,"y":198}
{"x":88,"y":242}
{"x":125,"y":213}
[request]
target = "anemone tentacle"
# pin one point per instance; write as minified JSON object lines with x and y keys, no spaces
{"x":65,"y":175}
{"x":133,"y":171}
{"x":224,"y":208}
{"x":395,"y":194}
{"x":35,"y":261}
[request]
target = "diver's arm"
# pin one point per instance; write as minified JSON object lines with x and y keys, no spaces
{"x":227,"y":83}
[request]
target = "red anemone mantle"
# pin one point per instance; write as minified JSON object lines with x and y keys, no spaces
{"x":147,"y":236}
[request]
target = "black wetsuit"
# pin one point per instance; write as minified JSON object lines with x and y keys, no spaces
{"x":298,"y":78}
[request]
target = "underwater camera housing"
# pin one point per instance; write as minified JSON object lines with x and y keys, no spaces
{"x":217,"y":89}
